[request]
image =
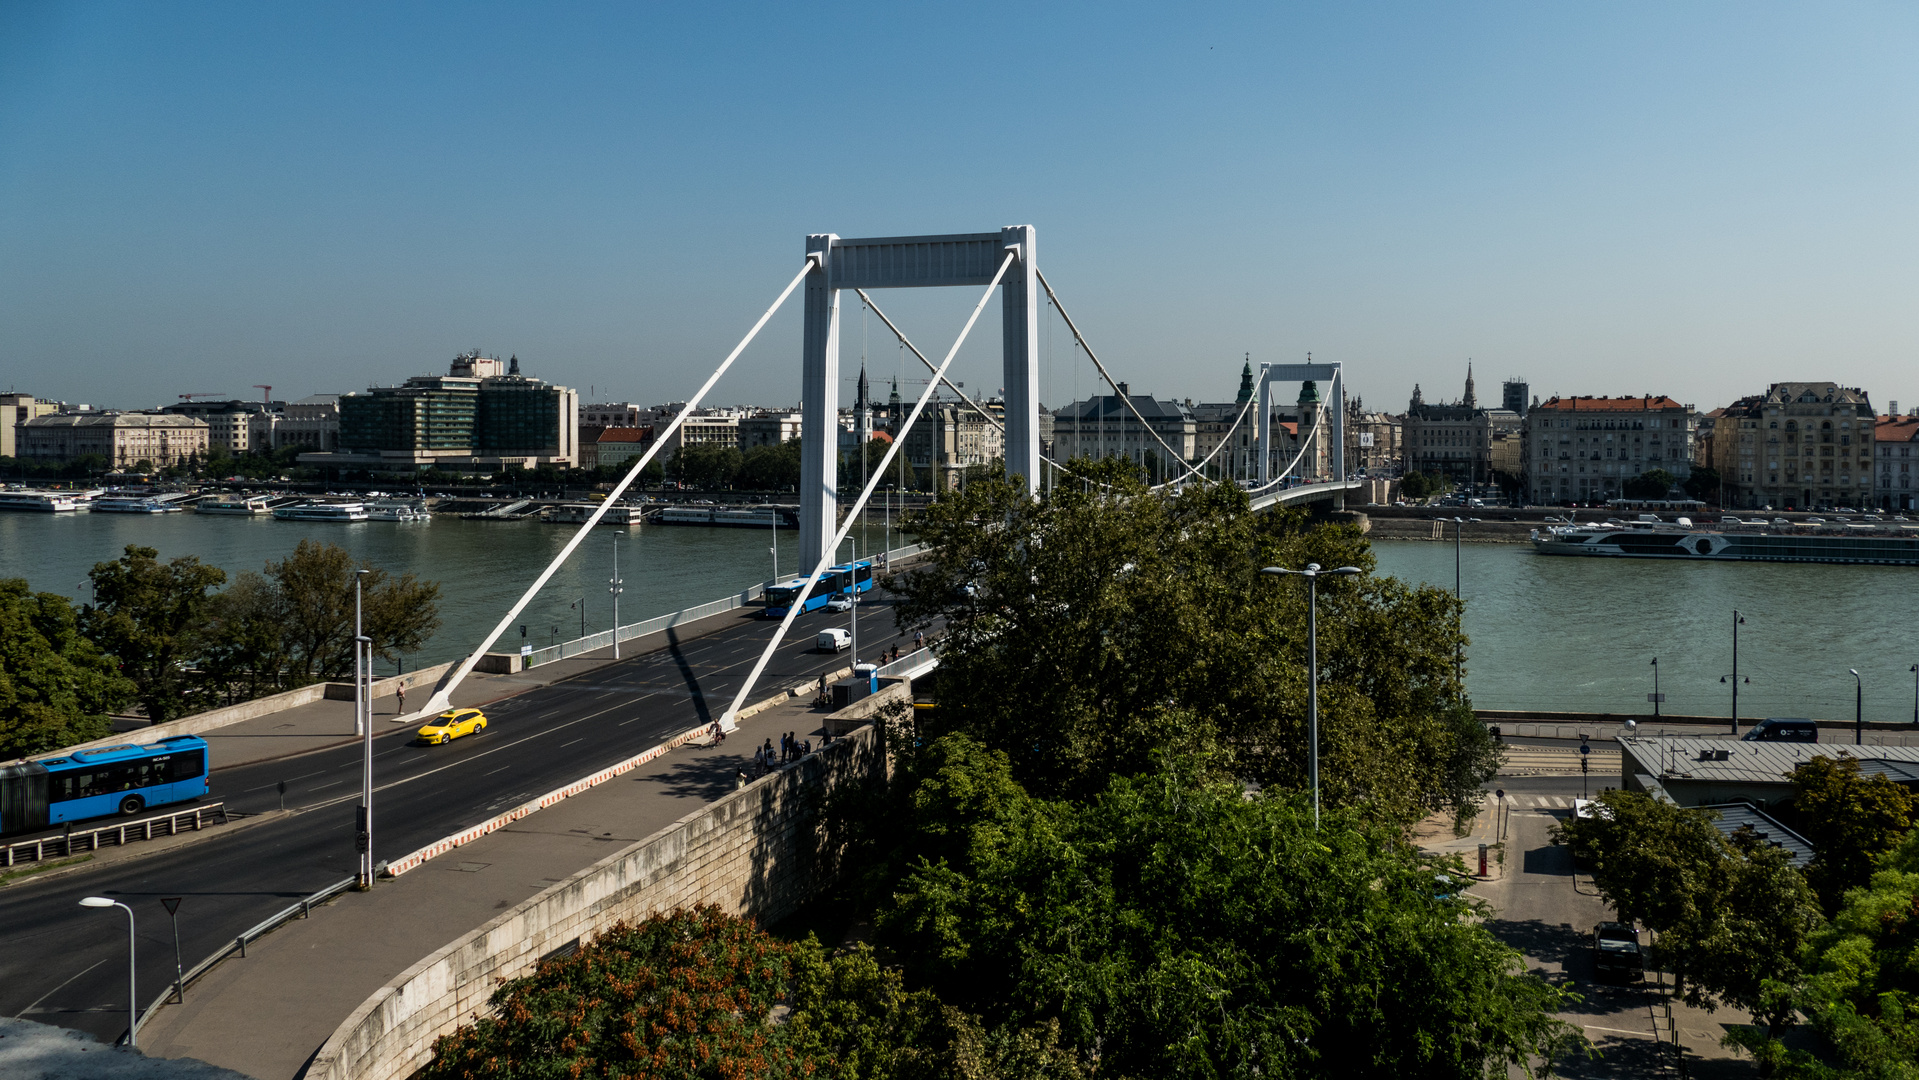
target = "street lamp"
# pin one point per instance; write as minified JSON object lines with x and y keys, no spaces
{"x":1312,"y":574}
{"x":1737,"y":620}
{"x":363,"y":695}
{"x":613,"y":586}
{"x":133,"y":985}
{"x":1858,"y":707}
{"x":1656,"y":697}
{"x":1915,"y":694}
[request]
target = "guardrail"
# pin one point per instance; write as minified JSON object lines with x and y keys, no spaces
{"x":301,"y":910}
{"x":910,"y":666}
{"x":604,"y":639}
{"x":120,"y":833}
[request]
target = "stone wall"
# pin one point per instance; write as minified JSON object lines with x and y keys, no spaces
{"x":755,"y":852}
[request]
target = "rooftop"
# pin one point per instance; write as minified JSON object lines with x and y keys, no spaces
{"x":1690,"y":757}
{"x":1896,"y":429}
{"x":1642,"y":403}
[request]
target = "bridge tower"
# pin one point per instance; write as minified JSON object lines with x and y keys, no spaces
{"x":900,"y":262}
{"x":1331,"y":411}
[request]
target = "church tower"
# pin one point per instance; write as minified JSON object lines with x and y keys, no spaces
{"x":863,"y":411}
{"x":1472,"y":400}
{"x":1246,"y":381}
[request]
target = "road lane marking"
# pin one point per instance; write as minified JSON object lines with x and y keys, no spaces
{"x":55,"y":990}
{"x":564,"y":745}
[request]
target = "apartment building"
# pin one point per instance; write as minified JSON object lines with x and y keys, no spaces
{"x":1584,"y":449}
{"x":124,"y":440}
{"x":1894,"y":440}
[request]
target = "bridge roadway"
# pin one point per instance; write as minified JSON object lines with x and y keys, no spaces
{"x":66,"y":965}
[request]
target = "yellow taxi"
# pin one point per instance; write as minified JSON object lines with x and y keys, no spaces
{"x":452,"y":724}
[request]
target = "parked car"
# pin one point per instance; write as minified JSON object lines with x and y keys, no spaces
{"x":1616,"y":953}
{"x":833,"y":640}
{"x":1783,"y":730}
{"x":451,"y":725}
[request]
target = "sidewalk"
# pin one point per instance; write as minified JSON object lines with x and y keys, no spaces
{"x":305,"y":978}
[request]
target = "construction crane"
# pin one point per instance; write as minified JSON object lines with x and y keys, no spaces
{"x":266,"y":393}
{"x":190,"y":397}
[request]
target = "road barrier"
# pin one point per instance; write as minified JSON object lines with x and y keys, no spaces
{"x":604,"y":639}
{"x":120,"y":833}
{"x":300,"y":910}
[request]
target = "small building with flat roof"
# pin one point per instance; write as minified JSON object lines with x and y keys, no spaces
{"x":1697,"y":771}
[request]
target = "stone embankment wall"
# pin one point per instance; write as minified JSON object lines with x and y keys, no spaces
{"x":757,"y":852}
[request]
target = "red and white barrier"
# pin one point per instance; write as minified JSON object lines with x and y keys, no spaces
{"x":412,"y":860}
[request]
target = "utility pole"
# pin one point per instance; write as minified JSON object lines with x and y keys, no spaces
{"x":363,"y":719}
{"x":613,"y":586}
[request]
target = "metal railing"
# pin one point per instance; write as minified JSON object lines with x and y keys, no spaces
{"x":604,"y":639}
{"x":910,"y":666}
{"x":193,"y":818}
{"x":299,"y":910}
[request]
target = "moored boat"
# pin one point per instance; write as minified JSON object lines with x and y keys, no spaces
{"x":1777,"y":541}
{"x":318,"y":511}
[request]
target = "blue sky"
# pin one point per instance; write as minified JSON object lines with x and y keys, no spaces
{"x":1693,"y":199}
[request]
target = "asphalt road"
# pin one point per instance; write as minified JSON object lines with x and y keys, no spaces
{"x":66,"y":965}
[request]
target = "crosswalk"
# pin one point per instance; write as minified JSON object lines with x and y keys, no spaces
{"x":1539,"y":802}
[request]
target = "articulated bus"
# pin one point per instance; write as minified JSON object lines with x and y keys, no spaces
{"x":843,"y":580}
{"x":122,"y":779}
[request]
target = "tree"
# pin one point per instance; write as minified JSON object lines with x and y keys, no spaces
{"x":1182,"y":929}
{"x":1852,"y":820}
{"x":1087,"y":630}
{"x":56,"y":687}
{"x":771,"y":468}
{"x":706,"y":465}
{"x":1732,"y":915}
{"x":1702,"y":483}
{"x":1418,"y":485}
{"x":1652,"y":484}
{"x":145,"y":613}
{"x":315,"y":586}
{"x":244,"y":637}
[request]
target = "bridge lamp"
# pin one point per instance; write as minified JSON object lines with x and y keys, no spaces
{"x":1312,"y":574}
{"x":133,"y":985}
{"x":1858,"y":707}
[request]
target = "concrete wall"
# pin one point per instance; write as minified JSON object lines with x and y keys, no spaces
{"x":755,"y":852}
{"x":248,"y":710}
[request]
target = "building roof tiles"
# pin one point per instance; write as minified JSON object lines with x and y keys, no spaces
{"x":1643,"y":403}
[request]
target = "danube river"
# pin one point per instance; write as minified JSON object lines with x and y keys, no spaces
{"x":1547,"y":633}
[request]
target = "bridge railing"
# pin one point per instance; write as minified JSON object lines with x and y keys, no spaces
{"x":193,"y":818}
{"x":604,"y":639}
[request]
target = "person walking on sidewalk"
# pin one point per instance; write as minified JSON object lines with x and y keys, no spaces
{"x":400,"y":710}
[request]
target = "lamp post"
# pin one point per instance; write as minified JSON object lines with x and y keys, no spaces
{"x":580,"y":605}
{"x":1915,"y":694}
{"x":133,"y":985}
{"x":1657,"y":697}
{"x":613,"y":586}
{"x":1312,"y":574}
{"x":1737,"y":619}
{"x":362,"y":693}
{"x":1858,"y":707}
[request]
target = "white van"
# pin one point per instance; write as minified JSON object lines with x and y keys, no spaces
{"x":833,"y":640}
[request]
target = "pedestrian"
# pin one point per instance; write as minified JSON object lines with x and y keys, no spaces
{"x":739,"y":780}
{"x":766,"y":754}
{"x":806,"y":748}
{"x":919,"y":640}
{"x":400,"y":709}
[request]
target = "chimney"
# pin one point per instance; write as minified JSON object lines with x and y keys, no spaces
{"x":1125,"y":390}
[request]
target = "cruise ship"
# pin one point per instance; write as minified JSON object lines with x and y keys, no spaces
{"x":749,"y":517}
{"x":136,"y":504}
{"x":45,"y":502}
{"x":397,"y":510}
{"x":577,"y":513}
{"x":1814,"y":541}
{"x":317,"y":511}
{"x":241,"y":505}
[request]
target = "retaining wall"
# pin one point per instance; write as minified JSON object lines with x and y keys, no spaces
{"x":755,"y":852}
{"x":213,"y":719}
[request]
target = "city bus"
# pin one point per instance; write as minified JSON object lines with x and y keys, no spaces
{"x":123,"y":779}
{"x":842,"y":580}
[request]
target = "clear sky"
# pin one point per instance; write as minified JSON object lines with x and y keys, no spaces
{"x":1692,"y":199}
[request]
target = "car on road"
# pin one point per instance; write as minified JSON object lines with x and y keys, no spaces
{"x":840,"y":603}
{"x":1782,"y":729}
{"x":451,"y":725}
{"x":1616,"y":953}
{"x":833,"y":640}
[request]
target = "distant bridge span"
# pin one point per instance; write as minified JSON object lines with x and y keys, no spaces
{"x":1331,"y":490}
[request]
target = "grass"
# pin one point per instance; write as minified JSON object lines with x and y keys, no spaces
{"x":12,"y":876}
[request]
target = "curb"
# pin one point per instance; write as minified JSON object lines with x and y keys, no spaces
{"x":414,"y":859}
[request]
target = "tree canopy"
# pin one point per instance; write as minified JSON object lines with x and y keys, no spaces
{"x":56,"y":687}
{"x":312,"y":597}
{"x":1088,"y":630}
{"x":1852,"y":820}
{"x":146,"y":613}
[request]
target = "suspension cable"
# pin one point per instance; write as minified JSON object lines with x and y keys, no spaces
{"x":729,"y":720}
{"x":442,"y":693}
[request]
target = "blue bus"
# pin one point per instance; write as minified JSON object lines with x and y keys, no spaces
{"x":122,"y":779}
{"x":843,"y":580}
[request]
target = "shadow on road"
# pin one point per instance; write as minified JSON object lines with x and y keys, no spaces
{"x":1554,"y":943}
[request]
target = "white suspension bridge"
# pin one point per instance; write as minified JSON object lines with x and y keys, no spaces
{"x":1006,"y":260}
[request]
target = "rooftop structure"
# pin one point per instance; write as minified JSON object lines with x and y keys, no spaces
{"x":1693,"y":771}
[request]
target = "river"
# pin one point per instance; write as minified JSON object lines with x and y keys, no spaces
{"x":1547,"y":633}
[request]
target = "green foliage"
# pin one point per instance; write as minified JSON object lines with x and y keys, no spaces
{"x":1183,"y":929}
{"x":771,"y":468}
{"x":1732,"y":915}
{"x":706,"y":465}
{"x":56,"y":687}
{"x":315,"y":604}
{"x":243,"y":638}
{"x":1653,"y":484}
{"x":1702,"y":483}
{"x":1418,"y":485}
{"x":1861,"y":988}
{"x":1088,"y":631}
{"x":1852,"y":820}
{"x":145,"y":613}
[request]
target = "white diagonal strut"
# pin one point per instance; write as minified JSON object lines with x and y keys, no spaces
{"x":729,"y":721}
{"x":443,"y":692}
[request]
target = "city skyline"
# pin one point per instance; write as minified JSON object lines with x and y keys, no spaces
{"x":1694,"y":203}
